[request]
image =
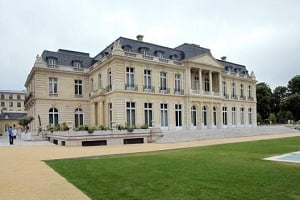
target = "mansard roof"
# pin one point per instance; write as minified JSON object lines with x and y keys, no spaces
{"x":233,"y":67}
{"x":137,"y":46}
{"x":67,"y":57}
{"x":180,"y":53}
{"x":192,"y":50}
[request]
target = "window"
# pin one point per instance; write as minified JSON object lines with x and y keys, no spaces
{"x":233,"y":90}
{"x":242,"y":90}
{"x":11,"y":104}
{"x":2,"y":96}
{"x":224,"y":115}
{"x":77,"y":64}
{"x":242,"y":115}
{"x":144,"y":50}
{"x":148,"y":114}
{"x":250,"y":116}
{"x":160,"y":54}
{"x":194,"y":116}
{"x":127,"y":48}
{"x":78,"y":117}
{"x":163,"y":81}
{"x":19,"y":104}
{"x":206,"y":84}
{"x":197,"y":84}
{"x":2,"y":103}
{"x":147,"y":80}
{"x":52,"y":86}
{"x":130,"y":78}
{"x":164,"y":115}
{"x":233,"y":116}
{"x":177,"y":83}
{"x":224,"y":88}
{"x":92,"y":84}
{"x":204,"y":115}
{"x":249,"y":91}
{"x":10,"y":96}
{"x":215,"y":116}
{"x":99,"y":81}
{"x":110,"y":114}
{"x":51,"y":62}
{"x":78,"y":87}
{"x":18,"y":97}
{"x":109,"y":83}
{"x":53,"y":116}
{"x":130,"y":110}
{"x":178,"y":115}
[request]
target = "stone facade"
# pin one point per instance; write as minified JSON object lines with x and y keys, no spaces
{"x":12,"y":108}
{"x":133,"y":83}
{"x":12,"y":101}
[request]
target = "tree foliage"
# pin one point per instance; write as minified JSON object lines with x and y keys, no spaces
{"x":264,"y":99}
{"x":283,"y":103}
{"x":25,"y":121}
{"x":294,"y":85}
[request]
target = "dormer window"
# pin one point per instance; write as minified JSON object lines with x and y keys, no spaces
{"x":144,"y":50}
{"x":52,"y":62}
{"x":127,"y":48}
{"x":173,"y":57}
{"x":77,"y":64}
{"x":159,"y":54}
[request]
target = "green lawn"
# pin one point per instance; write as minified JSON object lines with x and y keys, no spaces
{"x":231,"y":171}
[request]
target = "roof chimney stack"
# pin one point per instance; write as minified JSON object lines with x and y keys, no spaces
{"x":140,"y":38}
{"x":224,"y":58}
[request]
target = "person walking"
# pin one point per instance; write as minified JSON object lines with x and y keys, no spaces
{"x":11,"y":135}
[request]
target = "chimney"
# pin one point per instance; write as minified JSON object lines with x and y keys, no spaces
{"x":140,"y":38}
{"x":223,"y":58}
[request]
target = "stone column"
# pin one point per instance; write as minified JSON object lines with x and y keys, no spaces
{"x":220,"y":84}
{"x":210,"y":83}
{"x":100,"y":114}
{"x":200,"y":81}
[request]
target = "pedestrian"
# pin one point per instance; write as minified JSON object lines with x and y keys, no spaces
{"x":11,"y":135}
{"x":14,"y":131}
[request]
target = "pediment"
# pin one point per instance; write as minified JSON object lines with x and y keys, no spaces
{"x":206,"y":59}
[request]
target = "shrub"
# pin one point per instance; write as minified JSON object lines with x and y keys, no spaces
{"x":64,"y":127}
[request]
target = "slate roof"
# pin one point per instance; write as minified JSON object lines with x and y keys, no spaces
{"x":233,"y":67}
{"x":66,"y":57}
{"x":192,"y":50}
{"x":137,"y":47}
{"x":12,"y":115}
{"x":182,"y":52}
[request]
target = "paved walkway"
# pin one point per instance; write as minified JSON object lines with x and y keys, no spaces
{"x":25,"y":176}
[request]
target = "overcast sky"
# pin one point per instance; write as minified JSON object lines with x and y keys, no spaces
{"x":264,"y":35}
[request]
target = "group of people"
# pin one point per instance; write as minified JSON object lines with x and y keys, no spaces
{"x":12,"y":133}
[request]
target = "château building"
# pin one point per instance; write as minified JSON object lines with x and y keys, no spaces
{"x":135,"y":83}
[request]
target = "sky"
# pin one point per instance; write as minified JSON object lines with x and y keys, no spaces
{"x":263,"y":35}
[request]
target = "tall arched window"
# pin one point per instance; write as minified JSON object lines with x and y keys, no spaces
{"x":204,"y":114}
{"x":215,"y":116}
{"x":53,"y":116}
{"x":194,"y":116}
{"x":78,"y":117}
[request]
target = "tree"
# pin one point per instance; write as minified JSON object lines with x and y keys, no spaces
{"x":291,"y":103}
{"x":264,"y":100}
{"x":25,"y":121}
{"x":284,"y":116}
{"x":294,"y":85}
{"x":279,"y":94}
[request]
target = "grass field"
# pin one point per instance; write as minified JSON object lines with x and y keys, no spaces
{"x":231,"y":171}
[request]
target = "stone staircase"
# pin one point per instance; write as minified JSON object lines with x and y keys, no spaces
{"x":204,"y":134}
